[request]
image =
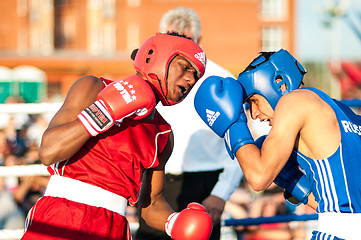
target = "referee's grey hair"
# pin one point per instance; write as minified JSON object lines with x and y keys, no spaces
{"x":181,"y":19}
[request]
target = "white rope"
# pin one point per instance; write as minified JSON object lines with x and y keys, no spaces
{"x":30,"y":108}
{"x":23,"y":170}
{"x":13,"y":234}
{"x":10,"y":234}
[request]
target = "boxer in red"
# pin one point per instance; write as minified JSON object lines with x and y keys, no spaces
{"x":107,"y":146}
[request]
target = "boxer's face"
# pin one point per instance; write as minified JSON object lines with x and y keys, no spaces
{"x":260,"y":108}
{"x":181,"y":78}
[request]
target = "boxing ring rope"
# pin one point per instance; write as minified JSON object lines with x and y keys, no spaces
{"x":351,"y":102}
{"x":23,"y":170}
{"x":30,"y":108}
{"x":7,"y":234}
{"x":40,"y":170}
{"x":267,"y":220}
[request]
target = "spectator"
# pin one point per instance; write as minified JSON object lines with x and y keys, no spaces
{"x":4,"y":147}
{"x":29,"y":190}
{"x":246,"y":203}
{"x":11,"y":216}
{"x":36,"y":129}
{"x":11,"y":182}
{"x":270,"y":203}
{"x":19,"y":119}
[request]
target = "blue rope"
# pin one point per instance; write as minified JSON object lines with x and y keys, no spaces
{"x":273,"y":219}
{"x":351,"y":102}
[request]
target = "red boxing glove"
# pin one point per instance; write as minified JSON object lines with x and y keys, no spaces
{"x":130,"y":97}
{"x":192,"y":223}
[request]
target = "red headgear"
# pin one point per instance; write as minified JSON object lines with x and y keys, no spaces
{"x":156,"y":53}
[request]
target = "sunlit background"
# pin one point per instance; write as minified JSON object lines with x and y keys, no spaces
{"x":66,"y":39}
{"x":46,"y":45}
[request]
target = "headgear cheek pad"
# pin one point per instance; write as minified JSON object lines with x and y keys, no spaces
{"x":156,"y":53}
{"x":266,"y":76}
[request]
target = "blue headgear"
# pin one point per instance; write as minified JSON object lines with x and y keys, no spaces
{"x":261,"y":75}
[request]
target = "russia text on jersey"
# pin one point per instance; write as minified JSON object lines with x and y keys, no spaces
{"x":348,"y":126}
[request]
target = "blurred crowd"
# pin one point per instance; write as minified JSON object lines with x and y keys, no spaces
{"x":20,"y":136}
{"x":246,"y":203}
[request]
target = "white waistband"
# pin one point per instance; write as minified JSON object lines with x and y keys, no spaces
{"x":77,"y":191}
{"x":342,"y":225}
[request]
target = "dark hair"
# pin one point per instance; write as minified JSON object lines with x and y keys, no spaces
{"x":178,"y":35}
{"x":252,"y":65}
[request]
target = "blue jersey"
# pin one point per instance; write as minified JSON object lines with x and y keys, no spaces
{"x":336,"y":181}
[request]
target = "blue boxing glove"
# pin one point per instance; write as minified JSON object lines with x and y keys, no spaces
{"x":219,"y":103}
{"x":291,"y":178}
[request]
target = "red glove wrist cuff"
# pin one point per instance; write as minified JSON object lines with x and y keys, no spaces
{"x":169,"y":223}
{"x":95,"y":119}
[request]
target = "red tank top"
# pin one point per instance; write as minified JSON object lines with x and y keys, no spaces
{"x":116,"y":159}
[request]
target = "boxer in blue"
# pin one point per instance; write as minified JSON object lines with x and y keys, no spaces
{"x":310,"y":131}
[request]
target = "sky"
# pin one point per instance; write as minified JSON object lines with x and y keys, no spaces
{"x":316,"y":42}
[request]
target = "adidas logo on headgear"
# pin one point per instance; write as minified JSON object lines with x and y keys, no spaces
{"x":211,"y":116}
{"x":201,"y":56}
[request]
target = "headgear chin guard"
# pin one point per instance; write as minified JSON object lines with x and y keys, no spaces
{"x":268,"y":72}
{"x":154,"y":56}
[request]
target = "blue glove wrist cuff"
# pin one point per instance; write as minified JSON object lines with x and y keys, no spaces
{"x":291,"y":199}
{"x":237,"y":136}
{"x":301,"y":191}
